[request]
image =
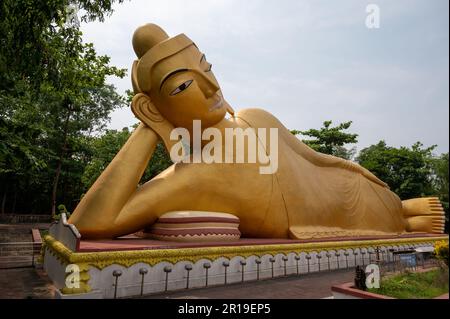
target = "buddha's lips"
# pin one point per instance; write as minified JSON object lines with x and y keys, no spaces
{"x":217,"y":105}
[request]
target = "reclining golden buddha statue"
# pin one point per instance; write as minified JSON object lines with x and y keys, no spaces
{"x":311,"y":195}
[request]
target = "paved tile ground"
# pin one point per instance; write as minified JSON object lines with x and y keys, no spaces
{"x":312,"y":286}
{"x":22,"y":283}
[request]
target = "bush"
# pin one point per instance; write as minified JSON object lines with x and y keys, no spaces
{"x":412,"y":285}
{"x":441,"y":251}
{"x":61,"y":209}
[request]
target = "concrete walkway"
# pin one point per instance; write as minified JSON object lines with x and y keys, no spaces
{"x":23,"y":283}
{"x":311,"y":286}
{"x":20,"y":283}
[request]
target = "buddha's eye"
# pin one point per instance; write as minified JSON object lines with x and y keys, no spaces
{"x":209,"y":68}
{"x":182,"y":87}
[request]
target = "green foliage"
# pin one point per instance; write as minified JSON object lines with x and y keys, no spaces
{"x":440,"y":183}
{"x":331,"y":140}
{"x":408,"y":171}
{"x":53,"y":95}
{"x":441,"y":251}
{"x":31,"y":32}
{"x":129,"y":94}
{"x":423,"y":285}
{"x":61,"y":210}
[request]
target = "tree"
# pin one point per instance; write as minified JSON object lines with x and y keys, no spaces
{"x":20,"y":161}
{"x":29,"y":30}
{"x":408,"y":171}
{"x":440,"y":168}
{"x":441,"y":183}
{"x":53,"y":90}
{"x":331,"y":140}
{"x":82,"y":100}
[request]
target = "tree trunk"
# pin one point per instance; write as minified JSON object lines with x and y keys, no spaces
{"x":14,"y":202}
{"x":3,"y":203}
{"x":59,"y":166}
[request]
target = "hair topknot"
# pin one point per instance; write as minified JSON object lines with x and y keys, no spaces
{"x":147,"y":36}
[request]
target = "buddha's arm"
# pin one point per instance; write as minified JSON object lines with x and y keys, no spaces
{"x":103,"y":202}
{"x":261,"y":118}
{"x":325,"y":160}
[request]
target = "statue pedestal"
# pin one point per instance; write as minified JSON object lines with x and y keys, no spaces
{"x":131,"y":266}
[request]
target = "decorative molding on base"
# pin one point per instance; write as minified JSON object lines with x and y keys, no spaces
{"x":65,"y":233}
{"x":154,"y":256}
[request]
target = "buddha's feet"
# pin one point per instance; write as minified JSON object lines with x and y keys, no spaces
{"x":424,"y":215}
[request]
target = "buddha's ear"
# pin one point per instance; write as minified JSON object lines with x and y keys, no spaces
{"x":145,"y":110}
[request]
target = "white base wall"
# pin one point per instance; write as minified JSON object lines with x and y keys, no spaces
{"x":102,"y":282}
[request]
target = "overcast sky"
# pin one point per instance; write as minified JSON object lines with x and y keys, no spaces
{"x":309,"y":61}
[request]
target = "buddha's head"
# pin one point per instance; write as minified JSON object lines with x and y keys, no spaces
{"x":174,"y":81}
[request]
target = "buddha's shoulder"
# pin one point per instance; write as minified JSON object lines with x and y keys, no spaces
{"x":258,"y":118}
{"x":254,"y":112}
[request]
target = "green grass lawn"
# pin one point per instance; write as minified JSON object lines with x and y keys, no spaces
{"x":415,"y":285}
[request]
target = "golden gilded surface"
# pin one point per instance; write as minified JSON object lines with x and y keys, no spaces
{"x":311,"y":195}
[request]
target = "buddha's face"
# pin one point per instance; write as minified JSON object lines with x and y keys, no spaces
{"x":184,"y":89}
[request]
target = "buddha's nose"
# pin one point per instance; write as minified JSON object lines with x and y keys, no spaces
{"x":208,"y":87}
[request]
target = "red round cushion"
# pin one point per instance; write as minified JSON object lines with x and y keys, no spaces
{"x":194,"y":226}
